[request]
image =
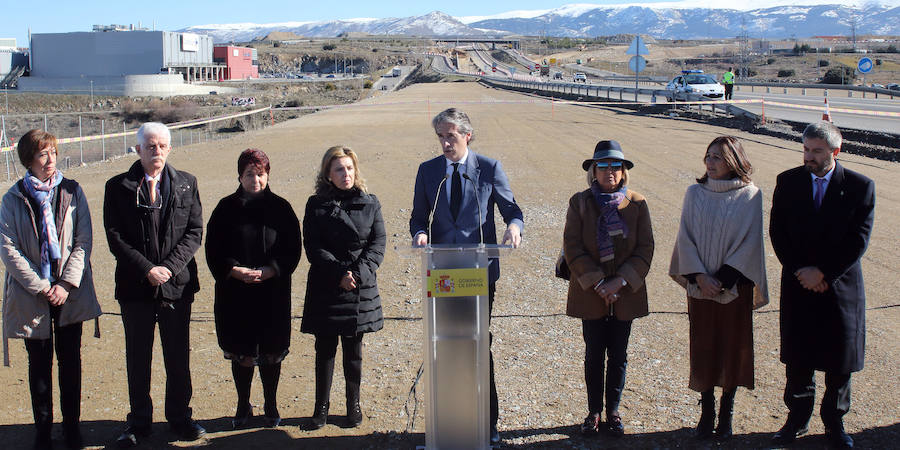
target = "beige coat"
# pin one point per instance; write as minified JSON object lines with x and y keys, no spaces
{"x":25,"y":314}
{"x":632,"y":257}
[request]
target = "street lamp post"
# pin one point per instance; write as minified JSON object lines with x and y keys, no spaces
{"x":92,"y":95}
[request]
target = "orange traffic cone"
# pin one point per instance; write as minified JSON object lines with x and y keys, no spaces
{"x":826,"y":116}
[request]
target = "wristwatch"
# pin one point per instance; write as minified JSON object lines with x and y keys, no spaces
{"x":624,"y":283}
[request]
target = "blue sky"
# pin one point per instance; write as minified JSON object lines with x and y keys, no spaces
{"x":53,"y":16}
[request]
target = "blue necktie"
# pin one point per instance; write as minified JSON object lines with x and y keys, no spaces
{"x":820,"y":192}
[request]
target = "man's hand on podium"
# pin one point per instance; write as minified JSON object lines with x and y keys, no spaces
{"x":513,"y":235}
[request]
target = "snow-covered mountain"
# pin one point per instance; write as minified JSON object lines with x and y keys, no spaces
{"x":586,"y":20}
{"x":691,"y":23}
{"x":434,"y":23}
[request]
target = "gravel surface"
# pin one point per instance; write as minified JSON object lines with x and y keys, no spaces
{"x":538,"y":350}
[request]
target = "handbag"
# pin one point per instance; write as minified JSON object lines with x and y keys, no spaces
{"x":562,"y":267}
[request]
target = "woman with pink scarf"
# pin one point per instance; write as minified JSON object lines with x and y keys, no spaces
{"x":45,"y":226}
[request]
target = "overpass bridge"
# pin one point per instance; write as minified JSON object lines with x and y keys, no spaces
{"x":514,"y":43}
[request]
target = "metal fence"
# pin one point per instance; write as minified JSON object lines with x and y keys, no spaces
{"x":87,"y":137}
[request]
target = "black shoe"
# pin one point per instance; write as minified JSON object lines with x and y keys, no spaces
{"x":495,"y":435}
{"x":73,"y":437}
{"x":188,"y":431}
{"x":320,"y":416}
{"x":354,"y":415}
{"x":838,"y":438}
{"x":788,"y":434}
{"x":614,"y":425}
{"x":130,"y":435}
{"x":591,"y":424}
{"x":273,"y":419}
{"x":241,"y":416}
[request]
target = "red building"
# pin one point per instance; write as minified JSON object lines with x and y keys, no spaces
{"x":240,"y":62}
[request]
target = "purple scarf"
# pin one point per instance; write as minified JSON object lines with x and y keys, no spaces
{"x":609,"y":223}
{"x":40,"y":192}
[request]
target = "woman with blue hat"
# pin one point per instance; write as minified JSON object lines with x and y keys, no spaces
{"x":608,"y":246}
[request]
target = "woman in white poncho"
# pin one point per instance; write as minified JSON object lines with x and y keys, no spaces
{"x":719,"y":259}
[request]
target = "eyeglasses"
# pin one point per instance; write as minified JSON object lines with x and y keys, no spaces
{"x":137,"y":198}
{"x":609,"y":165}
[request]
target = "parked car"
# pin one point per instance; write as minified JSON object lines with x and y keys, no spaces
{"x":580,"y":77}
{"x":694,"y":82}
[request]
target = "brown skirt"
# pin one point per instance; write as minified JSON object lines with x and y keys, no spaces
{"x":722,"y":342}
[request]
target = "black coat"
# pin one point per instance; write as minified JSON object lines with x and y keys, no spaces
{"x":253,"y":319}
{"x":343,"y":233}
{"x":824,"y":331}
{"x":181,"y":232}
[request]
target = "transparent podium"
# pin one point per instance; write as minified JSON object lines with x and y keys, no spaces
{"x":457,"y":344}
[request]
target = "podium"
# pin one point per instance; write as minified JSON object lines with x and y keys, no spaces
{"x":457,"y":343}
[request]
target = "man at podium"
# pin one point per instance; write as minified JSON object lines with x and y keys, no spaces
{"x":454,"y":200}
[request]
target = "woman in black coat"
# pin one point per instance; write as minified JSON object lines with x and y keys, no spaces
{"x":252,"y":247}
{"x":345,"y":242}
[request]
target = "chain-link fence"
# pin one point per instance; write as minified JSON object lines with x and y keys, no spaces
{"x":88,"y":137}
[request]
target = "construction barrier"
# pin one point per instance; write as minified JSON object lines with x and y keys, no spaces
{"x":172,"y":126}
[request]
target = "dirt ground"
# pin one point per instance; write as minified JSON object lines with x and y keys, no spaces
{"x":538,"y":350}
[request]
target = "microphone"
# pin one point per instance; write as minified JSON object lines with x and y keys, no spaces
{"x":478,"y":205}
{"x":434,"y":206}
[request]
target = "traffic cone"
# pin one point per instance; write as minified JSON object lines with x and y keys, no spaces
{"x":826,"y":116}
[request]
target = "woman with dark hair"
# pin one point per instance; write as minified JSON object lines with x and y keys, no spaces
{"x":345,"y":241}
{"x":720,"y":260}
{"x":46,"y":233}
{"x":608,"y":244}
{"x":252,"y":248}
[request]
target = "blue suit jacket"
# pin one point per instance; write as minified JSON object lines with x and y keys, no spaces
{"x":493,"y":189}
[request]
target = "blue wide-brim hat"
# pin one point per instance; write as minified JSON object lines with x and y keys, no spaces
{"x":607,"y":150}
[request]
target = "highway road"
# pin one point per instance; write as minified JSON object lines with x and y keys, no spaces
{"x":388,"y":83}
{"x":836,"y":102}
{"x":868,"y":113}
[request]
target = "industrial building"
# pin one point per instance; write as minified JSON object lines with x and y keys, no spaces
{"x":241,"y":63}
{"x":13,"y":62}
{"x":115,"y":60}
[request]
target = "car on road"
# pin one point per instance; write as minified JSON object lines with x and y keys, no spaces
{"x":558,"y":76}
{"x":893,"y":87}
{"x":694,"y":82}
{"x":580,"y":77}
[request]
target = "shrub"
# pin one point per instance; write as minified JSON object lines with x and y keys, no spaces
{"x":878,"y":62}
{"x":367,"y":84}
{"x":836,"y":75}
{"x":329,"y":86}
{"x":374,"y":50}
{"x":159,"y":111}
{"x":824,"y":63}
{"x":329,"y":47}
{"x":786,"y":73}
{"x":891,"y":49}
{"x":770,"y":60}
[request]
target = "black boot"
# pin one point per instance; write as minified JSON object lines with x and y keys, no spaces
{"x":270,"y":374}
{"x":707,"y":415}
{"x":320,"y":415}
{"x":243,"y":379}
{"x":354,"y":413}
{"x":726,"y":408}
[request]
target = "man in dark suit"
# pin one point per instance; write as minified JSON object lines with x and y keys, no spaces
{"x":821,"y":220}
{"x":461,"y":216}
{"x":154,"y":225}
